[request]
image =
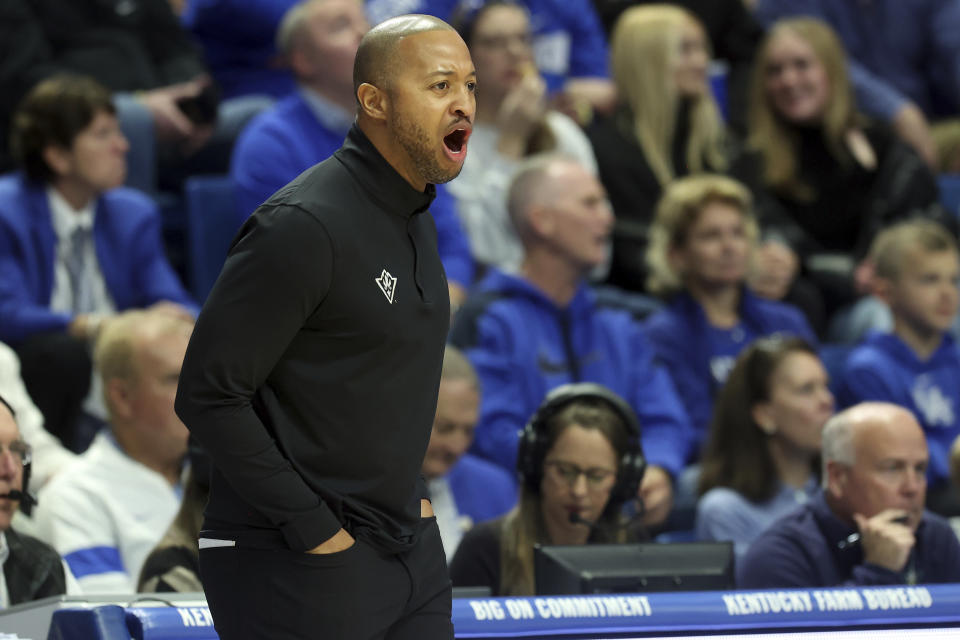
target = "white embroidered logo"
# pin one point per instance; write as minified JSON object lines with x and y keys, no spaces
{"x":387,"y":284}
{"x":936,"y":407}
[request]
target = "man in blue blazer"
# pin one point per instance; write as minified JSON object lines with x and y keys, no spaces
{"x":74,"y":248}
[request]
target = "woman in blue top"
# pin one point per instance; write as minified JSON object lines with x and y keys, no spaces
{"x":702,"y":239}
{"x":762,"y":454}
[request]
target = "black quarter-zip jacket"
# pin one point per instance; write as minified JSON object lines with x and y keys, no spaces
{"x":312,"y":374}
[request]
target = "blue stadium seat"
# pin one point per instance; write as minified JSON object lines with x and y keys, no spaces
{"x":949,"y":184}
{"x":97,"y":623}
{"x":211,"y":225}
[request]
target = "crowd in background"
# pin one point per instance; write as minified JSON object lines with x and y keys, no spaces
{"x":726,"y":215}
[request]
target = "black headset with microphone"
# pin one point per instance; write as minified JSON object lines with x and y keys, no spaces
{"x":26,"y":499}
{"x":534,"y":439}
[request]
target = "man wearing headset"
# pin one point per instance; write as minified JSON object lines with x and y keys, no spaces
{"x":31,"y":568}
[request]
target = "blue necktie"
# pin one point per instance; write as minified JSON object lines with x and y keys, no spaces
{"x":78,"y":266}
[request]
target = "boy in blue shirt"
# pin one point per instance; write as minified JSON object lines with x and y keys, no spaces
{"x":916,"y":366}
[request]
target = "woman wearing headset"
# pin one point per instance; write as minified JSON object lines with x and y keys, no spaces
{"x":579,"y":461}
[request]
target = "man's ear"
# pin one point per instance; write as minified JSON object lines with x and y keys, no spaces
{"x":374,"y":102}
{"x":837,"y":473}
{"x":301,"y":63}
{"x":117,"y":394}
{"x":540,"y":220}
{"x":57,"y":158}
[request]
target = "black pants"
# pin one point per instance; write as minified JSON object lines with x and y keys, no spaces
{"x":356,"y":594}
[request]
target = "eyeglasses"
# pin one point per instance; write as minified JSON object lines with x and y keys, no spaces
{"x":569,"y":473}
{"x":19,"y":450}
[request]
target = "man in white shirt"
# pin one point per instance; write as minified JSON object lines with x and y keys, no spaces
{"x":111,"y":507}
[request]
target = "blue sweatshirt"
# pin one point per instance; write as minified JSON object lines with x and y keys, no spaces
{"x":800,"y":550}
{"x":884,"y":368}
{"x":684,"y":343}
{"x":287,"y":139}
{"x":523,"y":345}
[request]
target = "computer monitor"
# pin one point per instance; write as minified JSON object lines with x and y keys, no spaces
{"x":633,"y":568}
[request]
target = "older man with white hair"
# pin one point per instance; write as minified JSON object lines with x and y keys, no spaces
{"x":867,"y":526}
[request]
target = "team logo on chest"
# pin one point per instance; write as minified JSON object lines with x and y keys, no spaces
{"x":387,"y":284}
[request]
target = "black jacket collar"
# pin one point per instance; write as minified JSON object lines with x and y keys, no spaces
{"x":379,"y":178}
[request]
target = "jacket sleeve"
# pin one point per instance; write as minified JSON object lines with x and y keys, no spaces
{"x":666,"y":431}
{"x":277,"y":273}
{"x":21,"y":315}
{"x":776,"y":561}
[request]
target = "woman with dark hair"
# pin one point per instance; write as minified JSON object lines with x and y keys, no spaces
{"x":825,"y":178}
{"x":570,"y":494}
{"x":75,"y":247}
{"x":761,"y":458}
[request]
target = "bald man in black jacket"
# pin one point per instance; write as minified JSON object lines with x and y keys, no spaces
{"x":312,"y":375}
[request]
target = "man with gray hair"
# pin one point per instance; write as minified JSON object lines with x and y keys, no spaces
{"x":867,"y":526}
{"x":545,"y":326}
